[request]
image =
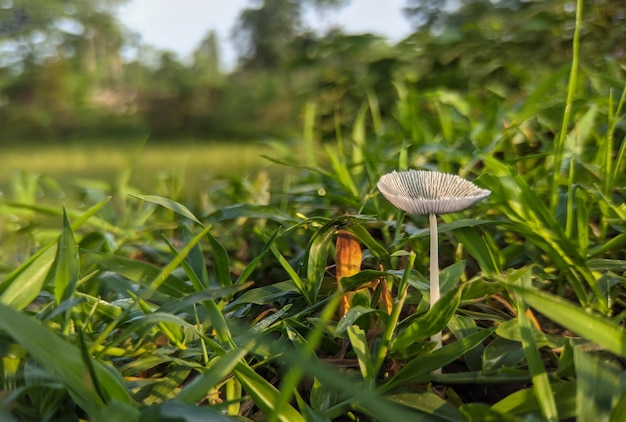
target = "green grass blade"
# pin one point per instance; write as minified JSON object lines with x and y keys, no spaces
{"x":598,"y":382}
{"x":317,"y":258}
{"x":265,"y":395}
{"x":221,"y":262}
{"x":218,"y":370}
{"x":62,"y":359}
{"x":247,"y":271}
{"x":525,"y":401}
{"x":425,"y":364}
{"x":541,"y":384}
{"x":358,"y":340}
{"x":139,"y":272}
{"x":170,"y":204}
{"x":559,"y":144}
{"x":24,"y":284}
{"x":596,"y":328}
{"x":429,"y":404}
{"x":152,"y":287}
{"x":434,"y":321}
{"x":67,"y":263}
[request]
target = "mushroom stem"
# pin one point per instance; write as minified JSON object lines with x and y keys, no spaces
{"x":434,"y":271}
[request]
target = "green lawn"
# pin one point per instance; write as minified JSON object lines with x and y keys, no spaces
{"x":197,"y":164}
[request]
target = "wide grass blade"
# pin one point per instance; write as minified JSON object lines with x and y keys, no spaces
{"x":434,"y":321}
{"x":64,"y":360}
{"x":596,"y":328}
{"x":541,"y":384}
{"x":25,"y":283}
{"x":424,"y":364}
{"x":599,"y":385}
{"x":265,"y":395}
{"x":170,"y":204}
{"x":358,"y":340}
{"x":216,"y":373}
{"x":525,"y":401}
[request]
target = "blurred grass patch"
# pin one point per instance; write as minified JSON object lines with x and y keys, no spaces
{"x":195,"y":162}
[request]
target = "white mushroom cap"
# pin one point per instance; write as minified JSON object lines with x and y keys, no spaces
{"x":429,"y":192}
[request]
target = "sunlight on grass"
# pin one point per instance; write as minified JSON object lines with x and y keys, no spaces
{"x":103,"y":161}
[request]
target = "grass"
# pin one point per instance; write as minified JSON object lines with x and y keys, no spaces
{"x":194,"y":162}
{"x":237,"y":305}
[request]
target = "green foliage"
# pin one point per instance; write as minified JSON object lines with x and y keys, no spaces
{"x":147,"y":307}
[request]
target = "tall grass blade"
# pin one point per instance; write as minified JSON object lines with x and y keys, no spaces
{"x":170,"y":204}
{"x":66,"y":263}
{"x":559,"y":146}
{"x":23,"y":284}
{"x":541,"y":384}
{"x":216,"y":373}
{"x":64,"y":360}
{"x":599,"y":385}
{"x":596,"y":328}
{"x":265,"y":395}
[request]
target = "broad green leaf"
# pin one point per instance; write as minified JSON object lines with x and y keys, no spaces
{"x":351,"y":317}
{"x":170,"y":204}
{"x":358,"y":340}
{"x":502,"y":353}
{"x":449,"y":277}
{"x":430,"y":405}
{"x":317,"y":255}
{"x":196,"y":262}
{"x":479,"y":412}
{"x":117,"y":411}
{"x":64,"y":360}
{"x":365,"y":276}
{"x":596,"y":328}
{"x":424,"y":364}
{"x":323,"y":396}
{"x":364,"y":236}
{"x":541,"y":383}
{"x":480,"y":249}
{"x":434,"y":321}
{"x":264,"y":394}
{"x":218,"y":369}
{"x":510,"y":330}
{"x":598,"y":382}
{"x":25,"y":284}
{"x":524,"y":401}
{"x":461,"y":327}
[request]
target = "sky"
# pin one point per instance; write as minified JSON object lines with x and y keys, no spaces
{"x":180,"y":25}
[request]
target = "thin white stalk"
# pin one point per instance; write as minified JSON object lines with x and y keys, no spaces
{"x":434,"y":271}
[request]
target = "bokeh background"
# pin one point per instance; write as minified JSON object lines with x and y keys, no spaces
{"x":88,"y":87}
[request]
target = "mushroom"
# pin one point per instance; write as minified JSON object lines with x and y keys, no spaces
{"x":430,"y":193}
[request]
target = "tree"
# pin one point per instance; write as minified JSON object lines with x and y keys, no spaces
{"x":265,"y":32}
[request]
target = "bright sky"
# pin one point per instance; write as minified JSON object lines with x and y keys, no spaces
{"x":180,"y":25}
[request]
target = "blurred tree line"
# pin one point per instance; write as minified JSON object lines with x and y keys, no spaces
{"x":63,"y":73}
